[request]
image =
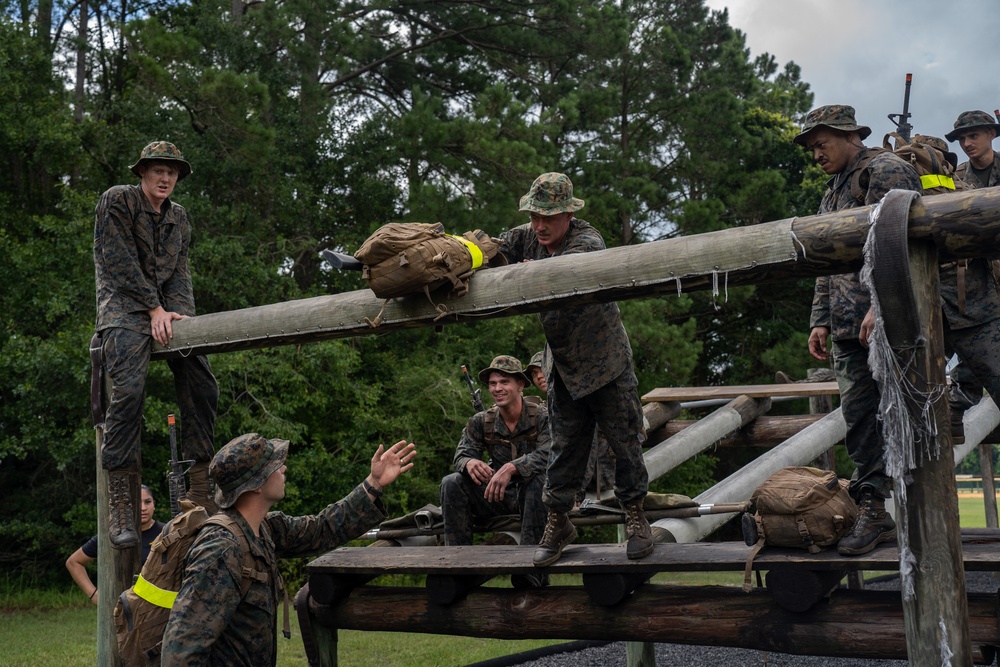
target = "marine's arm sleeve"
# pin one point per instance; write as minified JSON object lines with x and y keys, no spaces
{"x":819,"y":316}
{"x":888,"y":172}
{"x":472,"y":444}
{"x":337,"y":524}
{"x":178,"y":290}
{"x":535,"y":462}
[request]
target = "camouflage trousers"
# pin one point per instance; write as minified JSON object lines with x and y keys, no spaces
{"x":859,"y":399}
{"x":462,"y":500}
{"x":978,"y":363}
{"x":615,"y":408}
{"x":126,"y":362}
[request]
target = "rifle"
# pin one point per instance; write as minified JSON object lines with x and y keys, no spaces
{"x":175,"y":476}
{"x":996,"y":112}
{"x":342,"y":261}
{"x":477,"y":401}
{"x":903,"y":126}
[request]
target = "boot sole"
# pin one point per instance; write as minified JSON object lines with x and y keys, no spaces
{"x":640,"y":554}
{"x":883,"y":537}
{"x":558,"y":553}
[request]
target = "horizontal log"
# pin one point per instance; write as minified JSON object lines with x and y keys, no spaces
{"x":859,"y":624}
{"x":803,"y":389}
{"x":963,"y":224}
{"x":764,"y":431}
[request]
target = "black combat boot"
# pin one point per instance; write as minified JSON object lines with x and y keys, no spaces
{"x":957,"y":426}
{"x":874,"y":525}
{"x":201,"y":489}
{"x":640,"y":535}
{"x":121,"y":525}
{"x":559,"y":531}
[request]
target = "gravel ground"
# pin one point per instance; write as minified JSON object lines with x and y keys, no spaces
{"x":682,"y":655}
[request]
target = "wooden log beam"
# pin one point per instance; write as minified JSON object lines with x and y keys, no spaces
{"x":764,"y":431}
{"x":859,"y":624}
{"x":963,"y":224}
{"x":752,"y":390}
{"x":669,"y":454}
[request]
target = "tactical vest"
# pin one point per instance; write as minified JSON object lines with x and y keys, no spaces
{"x":503,"y":450}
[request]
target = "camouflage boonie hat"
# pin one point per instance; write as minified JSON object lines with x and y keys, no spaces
{"x":536,"y":361}
{"x":244,"y":464}
{"x":938,"y":143}
{"x":834,"y":116}
{"x":970,"y":119}
{"x":551,"y":193}
{"x":505,"y":364}
{"x":163,"y":151}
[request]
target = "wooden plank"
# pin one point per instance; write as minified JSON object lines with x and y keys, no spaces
{"x":980,"y":554}
{"x":803,"y":389}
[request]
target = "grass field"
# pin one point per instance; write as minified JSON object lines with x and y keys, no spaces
{"x":39,"y":629}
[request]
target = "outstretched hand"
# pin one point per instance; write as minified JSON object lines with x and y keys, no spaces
{"x":388,"y":464}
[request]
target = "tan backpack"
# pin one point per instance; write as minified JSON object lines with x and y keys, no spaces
{"x":800,"y":507}
{"x":142,"y":611}
{"x":403,"y":258}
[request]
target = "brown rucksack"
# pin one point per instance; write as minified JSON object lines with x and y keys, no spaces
{"x":142,"y":611}
{"x":403,"y":258}
{"x":801,"y":507}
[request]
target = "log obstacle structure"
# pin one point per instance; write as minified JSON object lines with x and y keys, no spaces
{"x":957,"y":226}
{"x":863,"y":624}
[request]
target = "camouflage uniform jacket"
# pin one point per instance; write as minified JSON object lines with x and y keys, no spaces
{"x":209,"y":623}
{"x":140,"y":259}
{"x":965,"y":173}
{"x":982,"y":304}
{"x":586,"y":344}
{"x":840,"y":302}
{"x":527,"y":445}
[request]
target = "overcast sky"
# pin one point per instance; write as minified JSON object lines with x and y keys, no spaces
{"x":858,"y":52}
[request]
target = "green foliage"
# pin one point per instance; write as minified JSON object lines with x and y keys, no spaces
{"x":309,"y":125}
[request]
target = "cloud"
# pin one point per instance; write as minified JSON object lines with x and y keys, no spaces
{"x":858,"y":53}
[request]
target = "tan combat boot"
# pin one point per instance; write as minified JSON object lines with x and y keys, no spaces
{"x":201,"y":488}
{"x":121,"y":523}
{"x":559,"y":531}
{"x":640,"y":535}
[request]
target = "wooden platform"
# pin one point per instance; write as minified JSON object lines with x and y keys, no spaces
{"x":803,"y":389}
{"x":981,"y":552}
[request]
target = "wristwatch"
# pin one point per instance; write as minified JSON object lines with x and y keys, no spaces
{"x":371,"y":489}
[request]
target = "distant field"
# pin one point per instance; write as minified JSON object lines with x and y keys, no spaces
{"x":61,"y":628}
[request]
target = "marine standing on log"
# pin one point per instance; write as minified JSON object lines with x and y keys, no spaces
{"x":141,"y":241}
{"x":841,"y":308}
{"x":590,"y":378}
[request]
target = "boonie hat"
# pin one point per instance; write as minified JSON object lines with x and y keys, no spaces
{"x":939,"y":144}
{"x":244,"y":464}
{"x":970,"y":119}
{"x":551,"y":193}
{"x":536,"y":362}
{"x":162,"y":151}
{"x":834,"y":116}
{"x":505,"y":364}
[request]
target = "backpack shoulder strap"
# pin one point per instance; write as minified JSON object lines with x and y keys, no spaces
{"x":250,"y":574}
{"x":860,"y":177}
{"x":489,"y":425}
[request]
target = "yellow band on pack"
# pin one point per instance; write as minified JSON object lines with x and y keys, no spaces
{"x":937,"y":181}
{"x":477,"y":254}
{"x":154,"y":594}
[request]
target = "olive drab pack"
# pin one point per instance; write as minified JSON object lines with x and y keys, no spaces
{"x":928,"y":155}
{"x":799,"y":507}
{"x":403,"y":258}
{"x":142,"y":611}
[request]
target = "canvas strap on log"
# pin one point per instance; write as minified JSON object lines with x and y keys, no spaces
{"x":97,"y":381}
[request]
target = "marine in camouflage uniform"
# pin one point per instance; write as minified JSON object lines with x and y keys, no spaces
{"x":141,"y":241}
{"x":840,"y":304}
{"x":971,"y":306}
{"x":589,"y":372}
{"x":600,"y":475}
{"x":210,"y":623}
{"x":518,"y":457}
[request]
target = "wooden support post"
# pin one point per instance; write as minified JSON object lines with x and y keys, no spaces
{"x":989,"y":486}
{"x":936,"y":614}
{"x":115,"y":567}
